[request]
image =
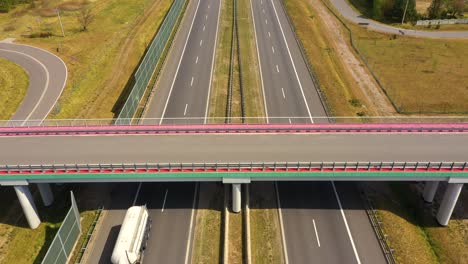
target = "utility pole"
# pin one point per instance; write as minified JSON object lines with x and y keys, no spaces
{"x":404,"y":13}
{"x":60,"y":20}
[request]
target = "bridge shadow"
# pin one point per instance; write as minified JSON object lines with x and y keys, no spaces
{"x":403,"y":199}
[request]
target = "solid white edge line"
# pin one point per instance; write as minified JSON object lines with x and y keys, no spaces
{"x":164,"y":200}
{"x":292,"y":61}
{"x":280,"y":215}
{"x":178,"y":66}
{"x":66,"y":72}
{"x":259,"y":63}
{"x":38,"y":102}
{"x":212,"y":65}
{"x":346,"y":224}
{"x":316,"y":232}
{"x":187,"y":252}
{"x":137,"y":194}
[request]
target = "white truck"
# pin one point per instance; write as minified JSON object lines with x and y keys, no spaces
{"x":133,"y":235}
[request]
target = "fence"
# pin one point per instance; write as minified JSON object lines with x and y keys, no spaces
{"x":88,"y":236}
{"x":149,"y":62}
{"x":66,"y":237}
{"x":441,"y":22}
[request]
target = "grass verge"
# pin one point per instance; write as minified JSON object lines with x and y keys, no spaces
{"x":236,"y":245}
{"x":420,"y":76}
{"x":18,"y":243}
{"x":14,"y":82}
{"x":100,"y":60}
{"x":219,"y":91}
{"x":337,"y":85}
{"x":208,"y":237}
{"x":253,"y":95}
{"x":265,"y":234}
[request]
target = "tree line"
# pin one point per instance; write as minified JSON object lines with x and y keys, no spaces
{"x":7,"y":5}
{"x":393,"y":10}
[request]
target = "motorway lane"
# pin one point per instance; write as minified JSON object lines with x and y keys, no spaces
{"x":290,"y":92}
{"x":170,"y":207}
{"x":190,"y":81}
{"x":182,"y":91}
{"x":288,"y":87}
{"x":48,"y":76}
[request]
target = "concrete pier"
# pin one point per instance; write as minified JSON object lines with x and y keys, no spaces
{"x":448,"y":203}
{"x":29,"y":207}
{"x":46,"y":193}
{"x":236,"y":197}
{"x":430,"y":189}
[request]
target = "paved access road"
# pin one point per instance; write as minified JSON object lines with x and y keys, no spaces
{"x":344,"y":7}
{"x":310,"y":211}
{"x":47,"y":79}
{"x":182,"y":91}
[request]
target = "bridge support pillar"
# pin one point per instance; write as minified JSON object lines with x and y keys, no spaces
{"x":27,"y":203}
{"x":46,"y":193}
{"x":448,"y":203}
{"x":236,"y":197}
{"x":430,"y":189}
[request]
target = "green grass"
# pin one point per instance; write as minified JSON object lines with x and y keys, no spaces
{"x":253,"y":94}
{"x":14,"y":82}
{"x":100,"y":61}
{"x":236,"y":247}
{"x":421,"y":76}
{"x":208,"y":238}
{"x":25,"y":245}
{"x":265,"y":234}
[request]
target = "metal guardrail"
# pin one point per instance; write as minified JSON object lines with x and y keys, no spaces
{"x":90,"y":233}
{"x":236,"y":167}
{"x":376,"y":225}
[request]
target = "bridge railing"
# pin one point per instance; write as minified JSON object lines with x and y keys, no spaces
{"x":234,"y":120}
{"x":236,"y":167}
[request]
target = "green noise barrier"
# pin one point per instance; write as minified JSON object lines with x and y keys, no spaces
{"x":149,"y":63}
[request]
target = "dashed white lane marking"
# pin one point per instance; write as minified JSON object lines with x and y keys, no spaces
{"x":263,"y":11}
{"x":277,"y":68}
{"x":316,"y":233}
{"x":269,"y":35}
{"x":282,"y":90}
{"x":196,"y":60}
{"x":289,"y":120}
{"x":203,"y":28}
{"x":273,"y":49}
{"x":266,"y":21}
{"x":185,"y":111}
{"x":201,"y":42}
{"x":261,"y":2}
{"x":206,"y":17}
{"x":191,"y":82}
{"x":164,"y":202}
{"x":208,"y":6}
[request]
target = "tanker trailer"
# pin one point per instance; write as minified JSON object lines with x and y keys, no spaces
{"x":132,"y":238}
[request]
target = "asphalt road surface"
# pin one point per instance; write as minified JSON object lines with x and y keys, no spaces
{"x":182,"y":91}
{"x":47,"y":79}
{"x":189,"y":148}
{"x":308,"y":208}
{"x":344,"y":7}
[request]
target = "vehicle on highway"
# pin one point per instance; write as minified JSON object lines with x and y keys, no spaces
{"x":133,"y":236}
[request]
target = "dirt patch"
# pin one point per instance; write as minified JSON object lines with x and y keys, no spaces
{"x":355,"y":67}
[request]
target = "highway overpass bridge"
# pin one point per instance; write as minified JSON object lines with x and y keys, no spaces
{"x":235,"y":154}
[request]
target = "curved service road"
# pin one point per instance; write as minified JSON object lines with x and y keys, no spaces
{"x":47,"y":78}
{"x":351,"y":14}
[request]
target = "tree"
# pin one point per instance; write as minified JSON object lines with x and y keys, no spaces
{"x":435,"y":9}
{"x":85,"y":17}
{"x":455,"y":8}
